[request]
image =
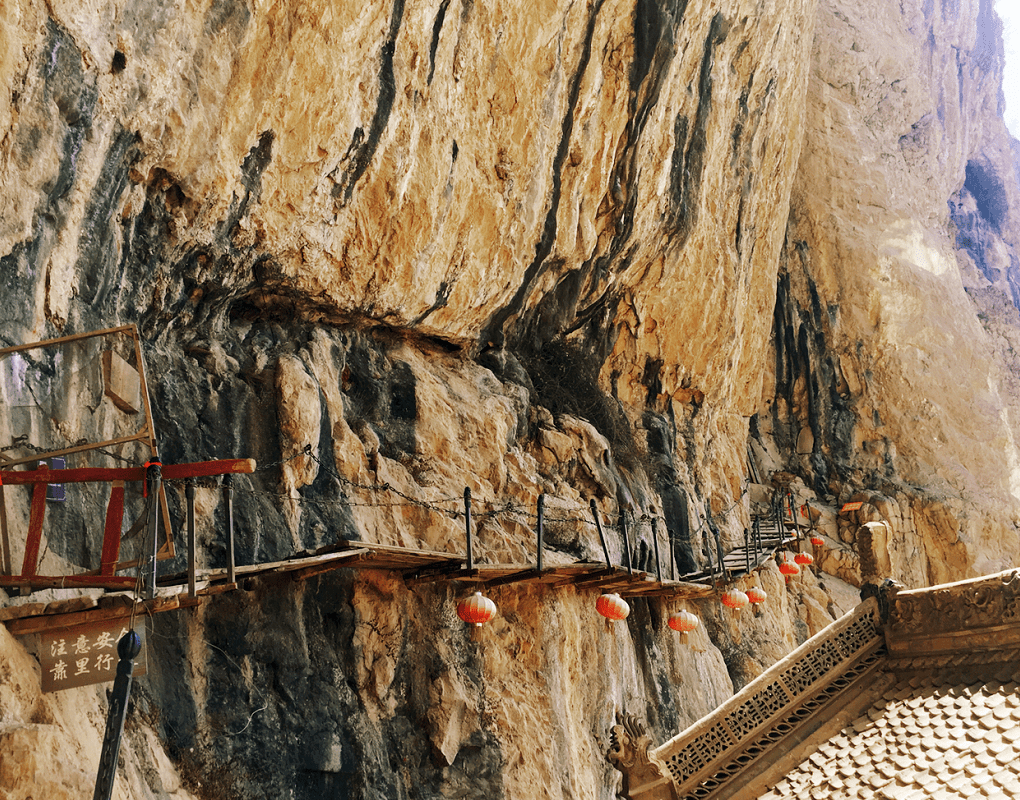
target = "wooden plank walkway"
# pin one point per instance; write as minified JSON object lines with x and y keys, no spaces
{"x":416,"y":566}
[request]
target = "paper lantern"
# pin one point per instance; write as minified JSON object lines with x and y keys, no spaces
{"x":612,"y":606}
{"x":476,"y":609}
{"x":734,"y":599}
{"x":684,"y":622}
{"x":788,"y":568}
{"x":756,"y":595}
{"x":817,"y":541}
{"x":804,"y":559}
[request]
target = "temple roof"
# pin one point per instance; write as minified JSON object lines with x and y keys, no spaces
{"x":911,"y":695}
{"x":951,"y":733}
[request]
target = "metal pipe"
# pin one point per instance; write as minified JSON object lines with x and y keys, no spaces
{"x":128,"y":647}
{"x":189,"y":493}
{"x":655,"y":546}
{"x":467,"y":525}
{"x":602,"y":536}
{"x":719,"y":552}
{"x":626,"y":543}
{"x":672,"y":552}
{"x":153,"y":483}
{"x":540,"y":531}
{"x":228,"y":493}
{"x":5,"y":543}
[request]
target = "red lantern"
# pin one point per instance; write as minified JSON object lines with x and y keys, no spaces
{"x":734,"y":599}
{"x":476,"y":609}
{"x":804,"y":559}
{"x":817,"y":541}
{"x":756,"y":595}
{"x":684,"y":622}
{"x":788,"y":568}
{"x":612,"y":606}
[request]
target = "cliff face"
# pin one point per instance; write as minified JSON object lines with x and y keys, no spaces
{"x":896,"y":312}
{"x":601,"y":251}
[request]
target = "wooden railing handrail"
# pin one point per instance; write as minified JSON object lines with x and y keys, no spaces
{"x":202,"y":469}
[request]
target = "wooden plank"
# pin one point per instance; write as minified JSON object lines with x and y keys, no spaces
{"x":74,"y":337}
{"x":29,"y":625}
{"x":336,"y":560}
{"x":333,"y":560}
{"x":112,"y":531}
{"x":206,"y":469}
{"x":71,"y":604}
{"x":69,"y":581}
{"x":6,"y":561}
{"x":700,"y":591}
{"x":396,"y":550}
{"x":35,"y":523}
{"x":522,"y":576}
{"x":121,"y":382}
{"x":589,"y":578}
{"x":306,"y":573}
{"x":620,"y":577}
{"x":567,"y":576}
{"x":25,"y":610}
{"x":617,"y":583}
{"x":219,"y":588}
{"x":200,"y":469}
{"x":436,"y":573}
{"x":372,"y":560}
{"x":136,"y":437}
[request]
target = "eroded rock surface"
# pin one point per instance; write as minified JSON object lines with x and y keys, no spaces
{"x":664,"y":256}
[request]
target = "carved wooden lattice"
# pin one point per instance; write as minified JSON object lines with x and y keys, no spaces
{"x":751,"y":723}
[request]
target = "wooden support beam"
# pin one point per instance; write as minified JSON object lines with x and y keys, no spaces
{"x":687,"y":594}
{"x":74,"y":337}
{"x":6,"y":562}
{"x":35,"y":523}
{"x":443,"y":572}
{"x":28,"y":625}
{"x":142,"y":435}
{"x":620,"y":582}
{"x":111,"y":534}
{"x":170,"y":472}
{"x":618,"y":576}
{"x":522,"y":576}
{"x":114,"y":582}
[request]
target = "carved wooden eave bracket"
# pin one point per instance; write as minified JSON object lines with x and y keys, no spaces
{"x":981,"y":615}
{"x":631,"y":752}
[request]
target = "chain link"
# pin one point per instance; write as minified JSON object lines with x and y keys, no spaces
{"x":495,"y":510}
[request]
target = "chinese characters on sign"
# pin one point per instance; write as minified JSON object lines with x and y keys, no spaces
{"x":84,"y":654}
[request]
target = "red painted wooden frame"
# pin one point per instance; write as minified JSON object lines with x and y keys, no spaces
{"x":118,"y":476}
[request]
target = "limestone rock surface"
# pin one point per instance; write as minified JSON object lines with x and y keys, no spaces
{"x":677,"y":258}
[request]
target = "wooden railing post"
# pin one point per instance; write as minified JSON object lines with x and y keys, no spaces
{"x":655,"y":545}
{"x":626,"y":542}
{"x":153,"y":482}
{"x":540,"y":531}
{"x":467,"y":526}
{"x":6,"y":566}
{"x":228,"y":493}
{"x":598,"y":527}
{"x":189,"y":493}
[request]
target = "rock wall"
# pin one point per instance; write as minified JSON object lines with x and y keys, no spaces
{"x":895,"y":316}
{"x":598,"y":251}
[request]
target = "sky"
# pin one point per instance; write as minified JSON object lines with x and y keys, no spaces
{"x":1009,"y":12}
